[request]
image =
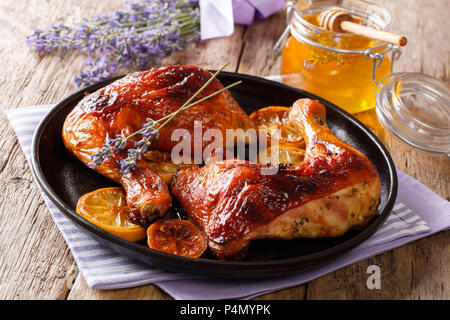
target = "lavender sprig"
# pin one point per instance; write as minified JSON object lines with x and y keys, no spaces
{"x":139,"y":36}
{"x":104,"y":153}
{"x":150,"y":131}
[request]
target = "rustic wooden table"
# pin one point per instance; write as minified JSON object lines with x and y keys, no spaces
{"x":35,"y":262}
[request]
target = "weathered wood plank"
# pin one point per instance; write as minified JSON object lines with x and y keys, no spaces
{"x":211,"y":54}
{"x":258,"y":58}
{"x":294,"y":293}
{"x":81,"y":291}
{"x":35,"y":261}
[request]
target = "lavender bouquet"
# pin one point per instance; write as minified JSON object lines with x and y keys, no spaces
{"x":139,"y":36}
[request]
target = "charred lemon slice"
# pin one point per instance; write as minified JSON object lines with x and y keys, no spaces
{"x":275,"y":121}
{"x":179,"y":237}
{"x":108,"y":209}
{"x":282,"y":154}
{"x":161,"y":163}
{"x":166,"y":170}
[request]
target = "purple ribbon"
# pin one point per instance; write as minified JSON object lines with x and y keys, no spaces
{"x":245,"y":10}
{"x":219,"y":17}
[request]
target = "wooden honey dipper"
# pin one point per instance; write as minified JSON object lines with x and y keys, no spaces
{"x":340,"y":21}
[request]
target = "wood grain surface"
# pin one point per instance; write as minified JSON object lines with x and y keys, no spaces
{"x":35,"y":262}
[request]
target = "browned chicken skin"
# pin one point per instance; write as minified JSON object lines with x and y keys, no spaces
{"x":335,"y":189}
{"x":123,"y":107}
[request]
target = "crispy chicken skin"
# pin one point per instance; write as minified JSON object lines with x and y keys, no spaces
{"x":335,"y":189}
{"x":123,"y":107}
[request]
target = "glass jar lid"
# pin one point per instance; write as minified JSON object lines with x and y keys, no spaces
{"x":415,"y":108}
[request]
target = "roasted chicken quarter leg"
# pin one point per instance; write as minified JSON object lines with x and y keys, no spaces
{"x":335,"y":189}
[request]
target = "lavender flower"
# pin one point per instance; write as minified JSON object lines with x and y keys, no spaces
{"x":119,"y":143}
{"x":138,"y":36}
{"x":104,"y":153}
{"x":149,"y":134}
{"x":129,"y":164}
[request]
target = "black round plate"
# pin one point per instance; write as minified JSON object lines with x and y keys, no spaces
{"x":64,"y":179}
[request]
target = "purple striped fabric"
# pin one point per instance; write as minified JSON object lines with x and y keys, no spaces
{"x":105,"y":269}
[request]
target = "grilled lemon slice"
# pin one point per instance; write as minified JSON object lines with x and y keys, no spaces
{"x":108,"y":209}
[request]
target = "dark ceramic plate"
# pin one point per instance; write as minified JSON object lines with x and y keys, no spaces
{"x":64,"y":179}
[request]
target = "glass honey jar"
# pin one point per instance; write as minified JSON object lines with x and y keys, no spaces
{"x":342,"y":68}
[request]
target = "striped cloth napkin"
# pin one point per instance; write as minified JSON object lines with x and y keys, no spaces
{"x":418,"y":212}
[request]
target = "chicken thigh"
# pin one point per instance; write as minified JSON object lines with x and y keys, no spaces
{"x":123,"y":106}
{"x":335,"y":189}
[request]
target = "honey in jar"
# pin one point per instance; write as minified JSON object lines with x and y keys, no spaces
{"x":338,"y":67}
